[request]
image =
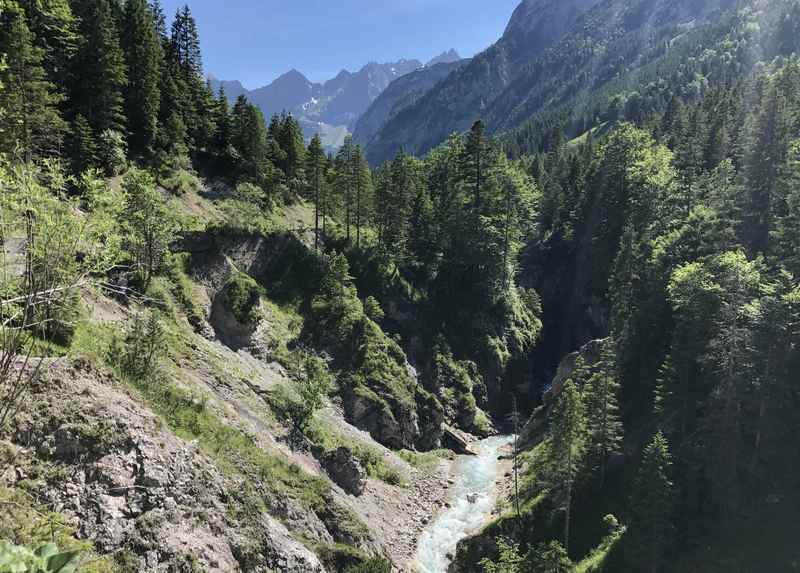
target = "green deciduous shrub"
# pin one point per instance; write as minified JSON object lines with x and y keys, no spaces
{"x":42,"y":559}
{"x":242,"y":296}
{"x":371,"y":566}
{"x":302,"y":399}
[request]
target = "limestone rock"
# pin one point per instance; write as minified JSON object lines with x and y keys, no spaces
{"x":345,"y":470}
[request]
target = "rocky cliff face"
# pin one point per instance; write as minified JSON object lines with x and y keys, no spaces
{"x":399,"y":95}
{"x":454,"y":104}
{"x":612,"y":39}
{"x":553,"y":55}
{"x":448,"y":57}
{"x":390,"y":414}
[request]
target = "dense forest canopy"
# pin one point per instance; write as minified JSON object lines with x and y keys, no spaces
{"x":657,"y":215}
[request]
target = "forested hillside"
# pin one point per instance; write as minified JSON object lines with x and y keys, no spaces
{"x":204,"y":317}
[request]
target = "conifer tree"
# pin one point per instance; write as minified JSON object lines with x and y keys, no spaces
{"x":185,"y":41}
{"x":249,"y":138}
{"x":787,"y":229}
{"x":185,"y":89}
{"x":765,"y":151}
{"x":53,"y":26}
{"x":144,"y":55}
{"x":223,"y":134}
{"x":566,"y":450}
{"x":345,"y":182}
{"x":316,"y":165}
{"x":730,"y":358}
{"x":421,"y":236}
{"x":363,"y":190}
{"x":99,"y":74}
{"x":475,"y":162}
{"x":83,"y":145}
{"x":160,"y":21}
{"x":652,"y":506}
{"x":32,"y":124}
{"x":290,"y":139}
{"x":396,"y":190}
{"x":602,"y":414}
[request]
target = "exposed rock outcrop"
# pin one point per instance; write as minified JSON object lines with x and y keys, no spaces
{"x":590,"y":353}
{"x":457,"y":441}
{"x":386,"y":419}
{"x":345,"y":470}
{"x":133,"y":487}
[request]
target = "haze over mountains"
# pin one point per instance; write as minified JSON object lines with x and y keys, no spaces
{"x":551,"y":55}
{"x":331,"y":108}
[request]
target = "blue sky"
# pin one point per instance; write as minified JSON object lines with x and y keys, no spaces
{"x":254,"y":41}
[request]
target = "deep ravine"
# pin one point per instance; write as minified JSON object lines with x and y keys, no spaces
{"x":472,"y":499}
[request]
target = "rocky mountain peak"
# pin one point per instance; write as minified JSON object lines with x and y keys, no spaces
{"x":447,"y":57}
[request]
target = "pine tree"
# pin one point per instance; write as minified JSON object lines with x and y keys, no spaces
{"x":422,"y":250}
{"x":99,"y":74}
{"x":143,"y":50}
{"x":32,"y":124}
{"x":54,"y":27}
{"x":83,"y":145}
{"x":186,"y":91}
{"x":363,"y":184}
{"x":773,"y":341}
{"x":249,"y":138}
{"x":316,"y":165}
{"x":186,"y":43}
{"x":550,"y":557}
{"x":730,"y":358}
{"x":786,"y":236}
{"x":345,"y":182}
{"x":652,"y":506}
{"x":397,"y":185}
{"x":765,"y":152}
{"x":160,"y":21}
{"x":602,"y":413}
{"x":222,"y":144}
{"x":566,"y":449}
{"x":290,"y":139}
{"x":474,"y":162}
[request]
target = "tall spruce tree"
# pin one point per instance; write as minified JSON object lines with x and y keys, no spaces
{"x":602,"y":414}
{"x":362,"y":179}
{"x":144,"y":55}
{"x":53,"y":26}
{"x":566,"y":450}
{"x":345,"y":183}
{"x":475,"y":162}
{"x":316,"y":166}
{"x":32,"y":123}
{"x":160,"y":21}
{"x":186,"y":43}
{"x":99,"y":74}
{"x":290,"y":139}
{"x":652,"y":506}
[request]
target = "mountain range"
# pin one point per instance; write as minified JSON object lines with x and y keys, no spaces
{"x":331,"y":108}
{"x":554,"y":56}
